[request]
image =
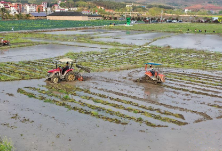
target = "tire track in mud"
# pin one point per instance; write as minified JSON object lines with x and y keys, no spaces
{"x":80,"y":110}
{"x":209,"y":80}
{"x":167,"y":86}
{"x":198,"y":84}
{"x":197,"y":75}
{"x":191,"y":91}
{"x":204,"y":115}
{"x":118,"y":106}
{"x":192,"y":87}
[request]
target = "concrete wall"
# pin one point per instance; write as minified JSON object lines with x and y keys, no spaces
{"x":95,"y":18}
{"x":67,"y":17}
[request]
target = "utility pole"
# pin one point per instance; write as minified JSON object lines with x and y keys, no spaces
{"x":161,"y":16}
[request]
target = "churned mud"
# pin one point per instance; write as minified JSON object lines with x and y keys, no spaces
{"x":108,"y":108}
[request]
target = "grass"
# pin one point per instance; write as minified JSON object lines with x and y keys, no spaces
{"x":173,"y":27}
{"x":6,"y":144}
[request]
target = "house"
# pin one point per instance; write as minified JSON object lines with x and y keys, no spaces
{"x":17,"y":6}
{"x":109,"y":11}
{"x":29,"y":8}
{"x":44,"y":5}
{"x":13,"y":10}
{"x":86,"y":12}
{"x":72,"y":16}
{"x":39,"y":8}
{"x":36,"y":15}
{"x":5,"y":5}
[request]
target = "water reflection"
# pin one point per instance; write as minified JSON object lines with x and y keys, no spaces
{"x":3,"y":51}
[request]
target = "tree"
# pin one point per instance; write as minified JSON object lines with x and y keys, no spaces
{"x":70,"y":3}
{"x":27,"y":16}
{"x":154,"y":11}
{"x":81,"y":4}
{"x":3,"y":12}
{"x":62,"y":5}
{"x":220,"y":19}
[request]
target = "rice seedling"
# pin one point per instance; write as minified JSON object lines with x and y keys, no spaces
{"x":93,"y":107}
{"x":173,"y":28}
{"x":6,"y":144}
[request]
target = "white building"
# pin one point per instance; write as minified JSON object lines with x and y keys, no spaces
{"x":13,"y":10}
{"x":29,"y":8}
{"x":44,"y":4}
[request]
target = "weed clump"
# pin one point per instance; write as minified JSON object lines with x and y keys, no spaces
{"x":6,"y":144}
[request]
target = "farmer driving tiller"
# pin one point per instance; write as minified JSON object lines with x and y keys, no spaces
{"x":66,"y":73}
{"x":4,"y":42}
{"x":152,"y":75}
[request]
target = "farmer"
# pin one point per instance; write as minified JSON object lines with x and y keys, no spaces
{"x":65,"y":68}
{"x":152,"y":70}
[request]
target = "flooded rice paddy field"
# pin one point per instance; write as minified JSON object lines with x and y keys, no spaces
{"x":47,"y":51}
{"x":109,"y":110}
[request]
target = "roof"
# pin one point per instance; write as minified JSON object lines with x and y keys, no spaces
{"x":94,"y":15}
{"x":72,"y":14}
{"x":42,"y":14}
{"x":151,"y":63}
{"x":67,"y":14}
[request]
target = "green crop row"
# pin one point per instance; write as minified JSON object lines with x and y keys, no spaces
{"x":17,"y":25}
{"x":176,"y":28}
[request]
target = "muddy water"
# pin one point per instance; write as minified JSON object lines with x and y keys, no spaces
{"x":96,"y":32}
{"x":51,"y":127}
{"x":135,"y":39}
{"x":77,"y":44}
{"x":44,"y":51}
{"x":76,"y":32}
{"x":192,"y":41}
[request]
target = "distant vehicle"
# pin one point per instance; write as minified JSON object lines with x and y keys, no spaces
{"x":174,"y":21}
{"x":121,"y":18}
{"x":133,"y":21}
{"x":154,"y":21}
{"x":180,"y":21}
{"x":169,"y":21}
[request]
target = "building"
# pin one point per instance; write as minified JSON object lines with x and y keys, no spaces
{"x":29,"y":8}
{"x":72,"y":16}
{"x":39,"y":8}
{"x":5,"y":5}
{"x":17,"y":6}
{"x":13,"y":10}
{"x":36,"y":15}
{"x":44,"y":5}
